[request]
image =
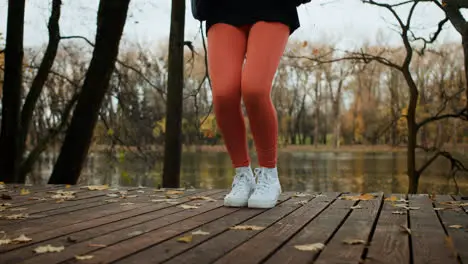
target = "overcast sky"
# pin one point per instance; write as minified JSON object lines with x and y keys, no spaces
{"x":348,"y":22}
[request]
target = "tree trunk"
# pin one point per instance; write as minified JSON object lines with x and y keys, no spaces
{"x":11,"y":100}
{"x":111,"y":19}
{"x":175,"y":85}
{"x":39,"y":81}
{"x":413,"y":174}
{"x":465,"y":61}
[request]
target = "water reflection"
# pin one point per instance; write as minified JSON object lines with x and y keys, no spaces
{"x":306,"y":171}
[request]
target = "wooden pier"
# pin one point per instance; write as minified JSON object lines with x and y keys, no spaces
{"x":100,"y":224}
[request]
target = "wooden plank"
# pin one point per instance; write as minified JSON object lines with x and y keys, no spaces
{"x":463,"y":200}
{"x":428,"y":237}
{"x":358,"y":226}
{"x":32,"y":226}
{"x":319,"y":230}
{"x":455,"y":221}
{"x":89,"y":229}
{"x":389,"y":238}
{"x":135,"y":236}
{"x":225,"y":242}
{"x":262,"y":245}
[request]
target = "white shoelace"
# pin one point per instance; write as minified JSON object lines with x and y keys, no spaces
{"x":263,"y":182}
{"x":240,"y":183}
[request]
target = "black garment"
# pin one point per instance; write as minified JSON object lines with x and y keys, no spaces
{"x":248,"y":12}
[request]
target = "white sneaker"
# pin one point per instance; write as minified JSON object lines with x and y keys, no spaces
{"x":242,"y":187}
{"x":267,"y":190}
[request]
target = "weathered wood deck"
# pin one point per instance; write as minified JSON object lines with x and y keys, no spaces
{"x":140,"y":226}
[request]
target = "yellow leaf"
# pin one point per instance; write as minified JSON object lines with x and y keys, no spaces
{"x":174,"y":192}
{"x":185,"y":239}
{"x":311,"y":247}
{"x":85,"y":257}
{"x":97,"y":187}
{"x":67,"y":186}
{"x":5,"y":241}
{"x":247,"y":227}
{"x":391,"y":199}
{"x":110,"y":132}
{"x":200,"y":233}
{"x":24,"y":192}
{"x":16,"y":216}
{"x":456,"y":226}
{"x":2,"y":183}
{"x":48,"y":248}
{"x":186,"y":206}
{"x":362,"y":197}
{"x":354,"y":241}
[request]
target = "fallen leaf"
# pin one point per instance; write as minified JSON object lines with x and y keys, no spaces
{"x":85,"y":257}
{"x":97,"y":245}
{"x":391,"y":199}
{"x":247,"y":227}
{"x":362,"y":197}
{"x":185,"y":239}
{"x":97,"y":187}
{"x":48,"y":248}
{"x":186,"y":206}
{"x":405,"y":229}
{"x":439,"y":209}
{"x":356,"y":207}
{"x":126,"y":203}
{"x":37,"y":199}
{"x":18,"y":209}
{"x":112,"y":195}
{"x":135,"y":233}
{"x":21,"y":239}
{"x":67,"y":186}
{"x":16,"y":216}
{"x":299,"y":194}
{"x":24,"y":192}
{"x":399,"y":212}
{"x":205,"y":198}
{"x":64,"y":195}
{"x":304,"y":202}
{"x":113,"y":189}
{"x":456,"y":226}
{"x":174,"y":192}
{"x":200,"y":233}
{"x":140,"y":191}
{"x":311,"y":247}
{"x":112,"y":200}
{"x":354,"y":241}
{"x":5,"y":241}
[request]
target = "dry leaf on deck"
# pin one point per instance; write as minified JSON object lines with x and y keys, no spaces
{"x":97,"y":187}
{"x":362,"y":197}
{"x":18,"y":209}
{"x":16,"y":216}
{"x":186,"y":206}
{"x":391,"y":199}
{"x":299,"y":194}
{"x":354,"y":241}
{"x":399,"y":212}
{"x":205,"y":198}
{"x":200,"y":233}
{"x":84,"y":257}
{"x":174,"y":192}
{"x":112,"y":195}
{"x":127,"y":203}
{"x":67,"y":186}
{"x":5,"y":241}
{"x":304,"y":202}
{"x":48,"y":248}
{"x":456,"y":226}
{"x":439,"y":209}
{"x":140,"y":191}
{"x":97,"y":245}
{"x":247,"y":227}
{"x":24,"y":192}
{"x":405,"y":229}
{"x":185,"y":239}
{"x":311,"y":247}
{"x":112,"y":200}
{"x":356,"y":207}
{"x":21,"y":239}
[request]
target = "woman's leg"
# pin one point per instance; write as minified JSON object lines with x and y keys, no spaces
{"x":226,"y":52}
{"x":265,"y":47}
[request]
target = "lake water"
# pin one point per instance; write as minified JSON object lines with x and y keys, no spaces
{"x":299,"y":171}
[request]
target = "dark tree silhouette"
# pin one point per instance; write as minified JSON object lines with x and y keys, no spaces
{"x":111,"y":20}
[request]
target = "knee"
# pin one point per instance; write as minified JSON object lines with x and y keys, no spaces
{"x":226,"y":96}
{"x":254,"y":90}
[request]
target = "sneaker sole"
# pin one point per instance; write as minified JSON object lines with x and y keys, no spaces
{"x":261,"y":204}
{"x":235,"y":203}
